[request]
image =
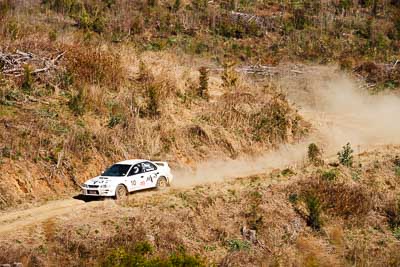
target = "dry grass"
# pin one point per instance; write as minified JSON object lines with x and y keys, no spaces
{"x":109,"y":101}
{"x":100,"y":103}
{"x":92,"y":65}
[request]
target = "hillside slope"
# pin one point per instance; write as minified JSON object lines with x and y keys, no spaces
{"x":87,"y":83}
{"x":302,"y":216}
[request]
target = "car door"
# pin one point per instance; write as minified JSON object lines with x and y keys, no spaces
{"x":135,"y":177}
{"x":150,"y":173}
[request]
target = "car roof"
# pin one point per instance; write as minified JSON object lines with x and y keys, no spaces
{"x":131,"y":161}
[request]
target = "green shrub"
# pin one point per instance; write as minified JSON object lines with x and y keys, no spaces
{"x":177,"y":5}
{"x":299,"y":18}
{"x":237,"y":244}
{"x":95,"y":22}
{"x":6,"y":6}
{"x":64,"y":6}
{"x":65,"y":79}
{"x":13,"y":29}
{"x":346,"y":156}
{"x":53,"y":35}
{"x":27,"y":83}
{"x":143,"y":248}
{"x":115,"y":120}
{"x":77,"y":103}
{"x":313,"y":205}
{"x":329,"y":175}
{"x":396,"y":161}
{"x":153,"y":104}
{"x":293,"y":198}
{"x":396,"y":233}
{"x":345,"y":4}
{"x":392,"y":211}
{"x":397,"y":171}
{"x":287,"y":172}
{"x":142,"y":255}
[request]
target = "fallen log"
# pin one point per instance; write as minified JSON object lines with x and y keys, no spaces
{"x":13,"y":64}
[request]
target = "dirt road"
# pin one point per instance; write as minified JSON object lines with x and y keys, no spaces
{"x":12,"y":221}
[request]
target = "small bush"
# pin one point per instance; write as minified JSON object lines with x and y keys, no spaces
{"x":237,"y":245}
{"x":396,"y":233}
{"x":5,"y":7}
{"x":346,"y":156}
{"x":77,"y":103}
{"x":203,"y":83}
{"x":287,"y":172}
{"x":396,"y":161}
{"x":314,"y":154}
{"x":229,"y":76}
{"x":141,"y":255}
{"x":329,"y":175}
{"x":339,"y":199}
{"x":27,"y":83}
{"x":392,"y":211}
{"x":115,"y":120}
{"x":94,"y":22}
{"x":313,"y":205}
{"x":63,"y":6}
{"x":143,"y":248}
{"x":293,"y":198}
{"x":397,"y":171}
{"x":153,"y":105}
{"x":94,"y":66}
{"x":53,"y":36}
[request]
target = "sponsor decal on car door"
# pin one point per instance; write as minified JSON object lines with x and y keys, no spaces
{"x":135,"y":177}
{"x":150,"y":174}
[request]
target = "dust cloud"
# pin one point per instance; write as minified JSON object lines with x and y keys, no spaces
{"x":339,"y":111}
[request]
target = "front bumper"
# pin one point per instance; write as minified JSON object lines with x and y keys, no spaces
{"x":100,"y":192}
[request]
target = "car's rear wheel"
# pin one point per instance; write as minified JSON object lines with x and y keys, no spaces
{"x":120,"y":192}
{"x":162,"y":183}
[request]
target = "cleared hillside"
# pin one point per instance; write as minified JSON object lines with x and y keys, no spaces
{"x":306,"y":216}
{"x":219,"y":89}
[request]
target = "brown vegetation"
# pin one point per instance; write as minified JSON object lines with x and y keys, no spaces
{"x":209,"y":220}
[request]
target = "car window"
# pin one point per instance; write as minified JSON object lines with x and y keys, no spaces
{"x":148,"y":167}
{"x":136,"y":169}
{"x":117,"y":170}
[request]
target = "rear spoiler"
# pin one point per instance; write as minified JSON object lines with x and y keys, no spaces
{"x":161,"y":163}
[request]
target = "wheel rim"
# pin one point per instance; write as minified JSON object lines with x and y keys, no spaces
{"x":162,"y":183}
{"x":121,"y":192}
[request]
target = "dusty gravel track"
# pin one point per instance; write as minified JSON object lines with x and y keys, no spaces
{"x":15,"y":220}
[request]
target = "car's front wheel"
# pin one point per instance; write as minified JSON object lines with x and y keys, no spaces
{"x":120,"y":192}
{"x":162,"y":183}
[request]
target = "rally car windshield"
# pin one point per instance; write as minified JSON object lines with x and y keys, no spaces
{"x":117,"y":170}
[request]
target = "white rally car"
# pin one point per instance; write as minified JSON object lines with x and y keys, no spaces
{"x":128,"y":176}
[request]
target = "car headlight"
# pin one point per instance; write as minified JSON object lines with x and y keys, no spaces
{"x":104,"y":186}
{"x":84,"y":186}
